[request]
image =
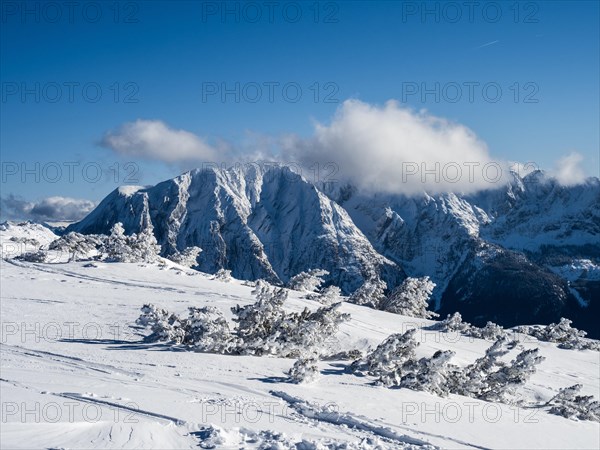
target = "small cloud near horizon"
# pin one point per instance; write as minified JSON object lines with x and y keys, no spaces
{"x":54,"y":208}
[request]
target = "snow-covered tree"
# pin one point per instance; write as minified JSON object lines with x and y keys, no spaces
{"x":223,"y":275}
{"x":257,"y":324}
{"x":490,"y":332}
{"x":77,"y":246}
{"x":427,"y":374}
{"x":265,"y":328}
{"x":38,"y":256}
{"x":165,"y":326}
{"x":204,"y":330}
{"x":209,"y":331}
{"x":562,"y":333}
{"x":371,"y":293}
{"x":500,"y":385}
{"x":473,"y":380}
{"x":187,"y":258}
{"x":304,"y":370}
{"x":141,"y":247}
{"x":309,"y":281}
{"x":311,"y":330}
{"x":568,"y":403}
{"x":392,"y":353}
{"x":328,"y":296}
{"x":411,"y":298}
{"x":453,"y":323}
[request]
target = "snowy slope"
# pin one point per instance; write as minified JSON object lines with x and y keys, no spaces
{"x":21,"y":237}
{"x":76,"y":375}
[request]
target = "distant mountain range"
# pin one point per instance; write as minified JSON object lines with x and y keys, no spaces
{"x":527,"y":252}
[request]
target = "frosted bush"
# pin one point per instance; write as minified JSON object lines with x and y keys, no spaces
{"x":371,"y":293}
{"x":77,"y":246}
{"x":411,"y":298}
{"x":135,"y":248}
{"x":394,"y":351}
{"x":568,"y":403}
{"x":563,"y":334}
{"x":309,"y":281}
{"x":223,"y":275}
{"x":165,"y":326}
{"x":208,"y":331}
{"x":490,"y":332}
{"x":328,"y":296}
{"x":427,"y":374}
{"x":38,"y":256}
{"x":187,"y":258}
{"x":304,"y":370}
{"x":453,"y":323}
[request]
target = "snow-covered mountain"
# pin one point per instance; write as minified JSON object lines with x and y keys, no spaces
{"x":500,"y":255}
{"x":508,"y":254}
{"x":268,"y":224}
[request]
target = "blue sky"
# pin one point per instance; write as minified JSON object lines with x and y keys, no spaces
{"x":163,"y":54}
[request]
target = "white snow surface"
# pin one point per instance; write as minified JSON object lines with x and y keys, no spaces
{"x":75,"y":374}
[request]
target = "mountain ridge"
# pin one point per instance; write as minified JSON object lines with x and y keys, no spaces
{"x":273,"y":223}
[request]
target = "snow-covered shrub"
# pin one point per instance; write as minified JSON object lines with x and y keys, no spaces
{"x":313,"y":329}
{"x":328,"y":296}
{"x":473,"y":380}
{"x":392,"y":353}
{"x":500,"y":385}
{"x":309,"y":281}
{"x":187,"y":258}
{"x":304,"y":370}
{"x":490,"y":332}
{"x":38,"y":256}
{"x":427,"y":374}
{"x":371,"y":293}
{"x":265,"y":328}
{"x":411,"y":298}
{"x":165,"y":326}
{"x":223,"y":275}
{"x":258,"y":324}
{"x":488,"y":378}
{"x":208,"y":331}
{"x":77,"y":246}
{"x":205,"y":329}
{"x":568,"y":403}
{"x":562,"y":333}
{"x":141,"y":247}
{"x":453,"y":323}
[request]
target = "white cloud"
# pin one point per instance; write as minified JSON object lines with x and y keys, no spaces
{"x":394,"y":149}
{"x":386,"y":148}
{"x":49,"y":208}
{"x":153,"y":139}
{"x":568,"y":170}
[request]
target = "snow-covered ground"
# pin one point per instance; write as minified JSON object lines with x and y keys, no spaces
{"x":76,"y":374}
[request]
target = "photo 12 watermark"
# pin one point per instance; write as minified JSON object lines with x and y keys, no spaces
{"x":69,"y":92}
{"x":471,"y":11}
{"x":270,"y":12}
{"x":269,"y":92}
{"x":28,"y":12}
{"x":69,"y":172}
